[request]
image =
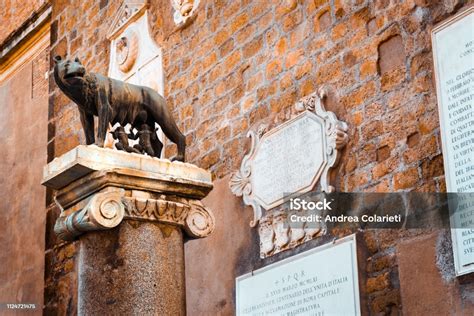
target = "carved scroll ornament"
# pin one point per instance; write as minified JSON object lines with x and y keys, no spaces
{"x":107,"y":210}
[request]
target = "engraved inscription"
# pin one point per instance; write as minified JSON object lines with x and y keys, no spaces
{"x":321,"y":281}
{"x":288,"y":160}
{"x":453,"y":48}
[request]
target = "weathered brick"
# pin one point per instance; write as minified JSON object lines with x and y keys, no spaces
{"x":294,"y":58}
{"x":385,"y":167}
{"x":432,"y":167}
{"x":253,"y":47}
{"x":372,"y":129}
{"x":303,"y":69}
{"x":383,"y":153}
{"x":427,"y":147}
{"x":232,"y":60}
{"x":368,"y":68}
{"x":239,"y":22}
{"x":323,"y":21}
{"x":291,"y":20}
{"x":273,"y":68}
{"x":384,"y":301}
{"x":378,"y":283}
{"x":360,"y":95}
{"x":405,"y":179}
{"x":339,"y":31}
{"x":391,"y":54}
{"x":225,"y":49}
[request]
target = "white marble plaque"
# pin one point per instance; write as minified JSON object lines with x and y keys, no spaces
{"x":288,"y":159}
{"x":292,"y":158}
{"x":321,"y":281}
{"x":453,"y":50}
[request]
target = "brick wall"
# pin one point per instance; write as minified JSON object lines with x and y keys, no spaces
{"x":244,"y":63}
{"x":14,"y":12}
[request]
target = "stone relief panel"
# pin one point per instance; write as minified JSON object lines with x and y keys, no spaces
{"x":285,"y":162}
{"x":277,"y":235}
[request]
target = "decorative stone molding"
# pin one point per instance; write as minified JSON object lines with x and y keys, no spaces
{"x":200,"y":221}
{"x":98,"y":188}
{"x":336,"y":132}
{"x":156,"y":210}
{"x":128,"y":12}
{"x":333,"y":137}
{"x":196,"y":220}
{"x":277,"y":235}
{"x":184,"y":11}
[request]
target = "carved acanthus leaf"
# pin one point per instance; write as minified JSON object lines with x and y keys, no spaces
{"x":238,"y":183}
{"x":185,"y":12}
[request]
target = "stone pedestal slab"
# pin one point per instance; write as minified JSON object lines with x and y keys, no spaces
{"x":130,"y":213}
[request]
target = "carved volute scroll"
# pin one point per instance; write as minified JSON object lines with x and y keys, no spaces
{"x":107,"y":210}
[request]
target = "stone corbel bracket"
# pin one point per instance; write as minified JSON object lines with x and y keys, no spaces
{"x":108,"y":209}
{"x":336,"y":138}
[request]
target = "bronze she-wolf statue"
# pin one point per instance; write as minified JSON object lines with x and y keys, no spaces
{"x":115,"y":101}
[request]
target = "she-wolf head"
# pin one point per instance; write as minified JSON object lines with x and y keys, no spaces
{"x":69,"y":72}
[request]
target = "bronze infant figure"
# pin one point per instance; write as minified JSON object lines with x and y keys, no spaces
{"x":148,"y":141}
{"x":122,"y":137}
{"x":115,"y":101}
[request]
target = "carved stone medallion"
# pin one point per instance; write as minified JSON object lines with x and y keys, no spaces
{"x":127,"y":50}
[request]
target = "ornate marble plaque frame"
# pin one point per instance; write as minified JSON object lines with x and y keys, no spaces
{"x":333,"y":137}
